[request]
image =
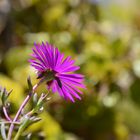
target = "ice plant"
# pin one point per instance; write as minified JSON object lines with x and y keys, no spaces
{"x":57,"y":71}
{"x":58,"y":74}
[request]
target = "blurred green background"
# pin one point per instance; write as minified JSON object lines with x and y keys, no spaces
{"x":103,"y":36}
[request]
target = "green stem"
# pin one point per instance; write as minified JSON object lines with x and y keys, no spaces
{"x":22,"y":127}
{"x":18,"y":134}
{"x":20,"y":109}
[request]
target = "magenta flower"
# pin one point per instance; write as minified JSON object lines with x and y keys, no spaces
{"x":57,"y":71}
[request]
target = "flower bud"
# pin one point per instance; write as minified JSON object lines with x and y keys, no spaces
{"x":39,"y":105}
{"x":4,"y":95}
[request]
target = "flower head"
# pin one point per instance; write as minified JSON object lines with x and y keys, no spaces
{"x":57,"y":71}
